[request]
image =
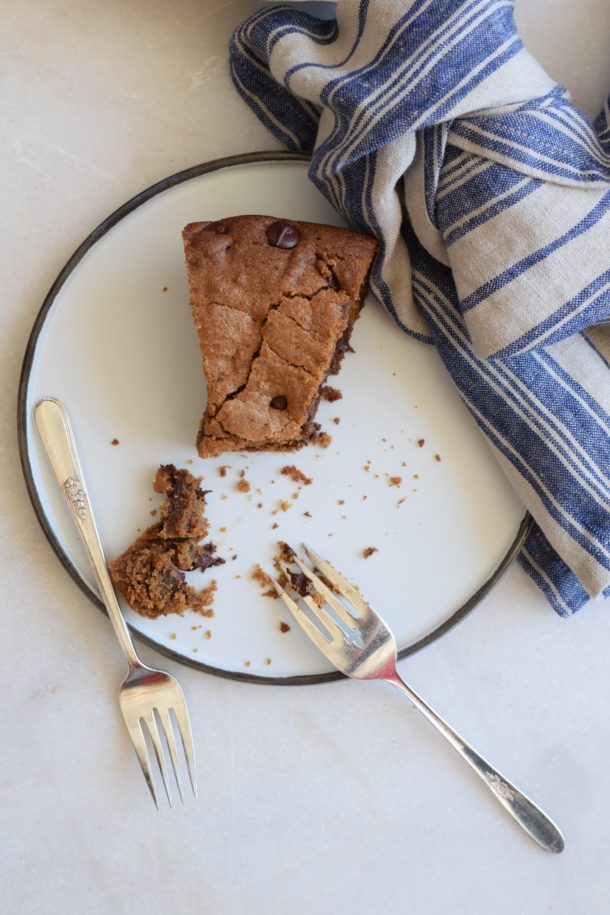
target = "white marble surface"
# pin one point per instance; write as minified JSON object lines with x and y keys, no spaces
{"x":329,"y":799}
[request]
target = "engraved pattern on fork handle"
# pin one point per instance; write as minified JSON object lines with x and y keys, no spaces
{"x":536,"y":823}
{"x":75,"y":494}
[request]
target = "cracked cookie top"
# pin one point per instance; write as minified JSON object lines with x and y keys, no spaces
{"x":273,"y":303}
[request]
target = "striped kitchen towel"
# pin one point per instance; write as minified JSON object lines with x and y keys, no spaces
{"x":432,"y":127}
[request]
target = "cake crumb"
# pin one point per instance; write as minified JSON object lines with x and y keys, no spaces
{"x":274,"y":526}
{"x":202,"y":600}
{"x":243,"y":485}
{"x":194,"y":628}
{"x":153,"y":512}
{"x":284,"y":505}
{"x":267,"y":662}
{"x":172,"y":635}
{"x":265,"y":581}
{"x":207,"y":634}
{"x":416,"y":476}
{"x":259,"y":575}
{"x":115,"y":442}
{"x":247,"y":663}
{"x":437,"y":457}
{"x":394,"y":481}
{"x":297,"y":580}
{"x":284,"y":627}
{"x":259,"y":504}
{"x":330,"y":394}
{"x":421,"y":442}
{"x":340,"y":501}
{"x":368,"y":551}
{"x":189,"y":461}
{"x":307,"y":514}
{"x":295,"y":495}
{"x":323,"y":439}
{"x":222,"y":470}
{"x":296,"y":475}
{"x":164,"y":289}
{"x":400,"y":501}
{"x":286,"y":552}
{"x":364,"y":498}
{"x":224,"y":496}
{"x":195,"y":650}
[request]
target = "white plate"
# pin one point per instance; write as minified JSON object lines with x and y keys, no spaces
{"x":122,"y":354}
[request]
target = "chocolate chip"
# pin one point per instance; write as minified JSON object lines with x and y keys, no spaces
{"x":279,"y":402}
{"x":282,"y":235}
{"x":173,"y":580}
{"x":333,"y":282}
{"x":204,"y":558}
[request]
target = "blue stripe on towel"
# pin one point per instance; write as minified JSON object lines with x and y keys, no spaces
{"x":435,"y":78}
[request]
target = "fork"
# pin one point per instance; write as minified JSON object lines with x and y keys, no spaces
{"x":148,"y":698}
{"x":360,"y":644}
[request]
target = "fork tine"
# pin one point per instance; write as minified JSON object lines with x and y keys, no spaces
{"x":338,"y":580}
{"x":168,"y":731}
{"x":328,"y":622}
{"x":139,"y":744}
{"x":153,"y":731}
{"x":331,"y":599}
{"x":304,"y":622}
{"x":184,"y":727}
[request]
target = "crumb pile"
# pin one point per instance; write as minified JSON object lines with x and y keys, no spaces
{"x":296,"y":475}
{"x":150,"y":574}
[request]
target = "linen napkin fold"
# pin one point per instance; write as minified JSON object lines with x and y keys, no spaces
{"x":431,"y":127}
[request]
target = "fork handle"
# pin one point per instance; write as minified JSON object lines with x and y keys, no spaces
{"x":55,"y":431}
{"x":521,"y":808}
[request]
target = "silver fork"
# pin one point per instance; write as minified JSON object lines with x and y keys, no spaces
{"x":362,"y":647}
{"x":148,"y":698}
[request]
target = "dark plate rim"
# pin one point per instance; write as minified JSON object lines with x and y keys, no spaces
{"x":22,"y":431}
